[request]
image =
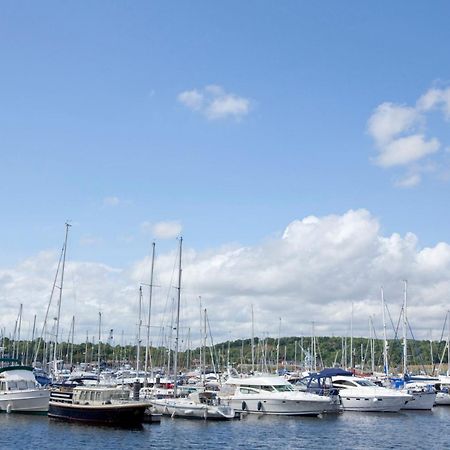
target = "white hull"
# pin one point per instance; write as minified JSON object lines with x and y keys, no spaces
{"x":25,"y":401}
{"x":280,"y":406}
{"x":372,"y":404}
{"x":421,"y":400}
{"x":192,"y":410}
{"x":442,"y":398}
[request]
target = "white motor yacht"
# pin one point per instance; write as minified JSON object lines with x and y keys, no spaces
{"x":423,"y":396}
{"x":271,"y":395}
{"x":361,"y":394}
{"x":442,"y":386}
{"x":20,"y":392}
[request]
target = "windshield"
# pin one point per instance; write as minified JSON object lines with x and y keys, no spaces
{"x":284,"y":388}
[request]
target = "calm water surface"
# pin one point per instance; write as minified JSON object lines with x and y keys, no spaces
{"x":409,"y":430}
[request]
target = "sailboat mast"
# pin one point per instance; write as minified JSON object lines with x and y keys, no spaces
{"x":253,"y":342}
{"x":278,"y":346}
{"x":385,"y":344}
{"x":351,"y":339}
{"x":201,"y":339}
{"x":448,"y":343}
{"x":99,"y":345}
{"x":175,"y":364}
{"x":55,"y":364}
{"x":147,"y":346}
{"x":405,"y":324}
{"x":138,"y":348}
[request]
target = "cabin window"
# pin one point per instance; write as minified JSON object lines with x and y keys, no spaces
{"x":12,"y":386}
{"x":364,"y":383}
{"x":2,"y":386}
{"x":284,"y":388}
{"x":267,"y":388}
{"x":245,"y":390}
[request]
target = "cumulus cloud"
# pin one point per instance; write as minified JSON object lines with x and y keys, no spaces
{"x":215,"y":103}
{"x":400,"y":132}
{"x":312,"y":272}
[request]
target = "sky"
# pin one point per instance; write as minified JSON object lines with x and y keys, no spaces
{"x":302,"y":150}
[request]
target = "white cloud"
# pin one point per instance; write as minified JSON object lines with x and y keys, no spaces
{"x":405,"y":150}
{"x":111,"y":201}
{"x":215,"y":103}
{"x":409,"y":181}
{"x":389,"y":120}
{"x":167,"y":230}
{"x":162,"y":230}
{"x":313,"y":272}
{"x":399,"y":132}
{"x":435,"y":98}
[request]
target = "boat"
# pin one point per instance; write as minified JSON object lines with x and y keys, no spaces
{"x":321,"y":384}
{"x":271,"y":395}
{"x":19,"y":390}
{"x":361,"y":394}
{"x":96,"y":405}
{"x":197,"y":405}
{"x":423,"y":393}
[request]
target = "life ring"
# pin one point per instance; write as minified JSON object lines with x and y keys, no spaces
{"x":244,"y":406}
{"x":260,"y":406}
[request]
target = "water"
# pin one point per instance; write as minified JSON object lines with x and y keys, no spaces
{"x":350,"y":430}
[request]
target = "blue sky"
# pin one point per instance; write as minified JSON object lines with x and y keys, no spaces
{"x":93,"y":128}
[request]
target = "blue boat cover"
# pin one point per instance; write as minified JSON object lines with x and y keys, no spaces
{"x":333,"y":372}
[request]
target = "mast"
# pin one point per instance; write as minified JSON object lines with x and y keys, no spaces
{"x":278,"y":346}
{"x":175,"y":365}
{"x":205,"y":336}
{"x":351,"y":339}
{"x":201,"y":339}
{"x":147,"y":346}
{"x":372,"y":345}
{"x":99,"y":345}
{"x":55,"y":364}
{"x":385,"y":343}
{"x":448,"y":343}
{"x":71,"y":344}
{"x":138,"y":349}
{"x":18,"y":330}
{"x":253,"y":342}
{"x":86,"y":349}
{"x":405,"y":324}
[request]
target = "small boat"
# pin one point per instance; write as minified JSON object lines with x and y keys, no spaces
{"x":271,"y":395}
{"x":19,"y":390}
{"x":361,"y":394}
{"x":197,"y":405}
{"x":96,"y":405}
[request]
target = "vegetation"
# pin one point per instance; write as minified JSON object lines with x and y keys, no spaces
{"x":293,"y":353}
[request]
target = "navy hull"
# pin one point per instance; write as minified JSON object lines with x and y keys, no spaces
{"x":123,"y":415}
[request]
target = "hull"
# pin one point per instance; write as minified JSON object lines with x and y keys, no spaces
{"x":123,"y":415}
{"x":372,"y":404}
{"x":421,"y":400}
{"x":280,"y":406}
{"x":34,"y":401}
{"x":191,"y":410}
